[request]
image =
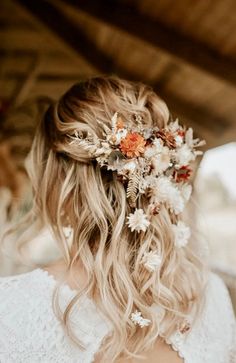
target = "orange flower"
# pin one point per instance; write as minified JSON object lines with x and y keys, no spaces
{"x":132,"y":145}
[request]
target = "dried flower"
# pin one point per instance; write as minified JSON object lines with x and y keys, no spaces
{"x":116,"y":138}
{"x":137,"y":319}
{"x":167,"y":137}
{"x":133,"y":145}
{"x":179,"y":140}
{"x":119,"y":123}
{"x":159,"y":187}
{"x":138,"y":221}
{"x":175,"y":200}
{"x":161,"y":161}
{"x":151,"y":260}
{"x":130,"y":165}
{"x":105,"y":149}
{"x":182,"y":174}
{"x":184,"y":155}
{"x":174,"y":126}
{"x":182,"y":234}
{"x":190,"y":141}
{"x":154,"y":208}
{"x":148,"y":161}
{"x":163,"y":190}
{"x":155,"y":148}
{"x":185,"y":327}
{"x":68,"y":231}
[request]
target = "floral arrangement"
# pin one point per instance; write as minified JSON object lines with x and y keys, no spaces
{"x":149,"y":161}
{"x":137,"y":319}
{"x":154,"y":162}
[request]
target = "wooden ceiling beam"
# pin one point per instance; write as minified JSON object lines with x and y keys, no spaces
{"x":127,"y":18}
{"x":20,"y":53}
{"x":23,"y":89}
{"x":78,"y":40}
{"x":18,"y":24}
{"x":19,"y":76}
{"x":70,"y":33}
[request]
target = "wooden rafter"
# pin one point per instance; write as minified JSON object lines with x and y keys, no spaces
{"x":78,"y":40}
{"x":47,"y":77}
{"x":24,"y":87}
{"x":72,"y":34}
{"x":127,"y":18}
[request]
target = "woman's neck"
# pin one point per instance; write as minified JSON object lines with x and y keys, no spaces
{"x":75,"y":277}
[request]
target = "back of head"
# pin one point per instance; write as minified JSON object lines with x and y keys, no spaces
{"x":95,"y":159}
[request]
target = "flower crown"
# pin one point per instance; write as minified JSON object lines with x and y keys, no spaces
{"x":149,"y":161}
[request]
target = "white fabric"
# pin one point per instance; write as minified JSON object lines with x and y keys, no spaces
{"x":30,"y":332}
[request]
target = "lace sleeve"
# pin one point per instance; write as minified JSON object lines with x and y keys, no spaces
{"x":213,"y":336}
{"x":31,"y":333}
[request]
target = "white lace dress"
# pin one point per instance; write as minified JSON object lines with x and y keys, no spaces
{"x":30,"y":333}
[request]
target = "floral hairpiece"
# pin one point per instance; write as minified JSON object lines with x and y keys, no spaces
{"x":149,"y":161}
{"x":137,"y":319}
{"x":154,"y":162}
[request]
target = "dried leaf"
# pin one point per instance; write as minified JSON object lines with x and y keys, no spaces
{"x":132,"y":188}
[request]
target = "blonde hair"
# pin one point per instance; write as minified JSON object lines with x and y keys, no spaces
{"x":71,"y":189}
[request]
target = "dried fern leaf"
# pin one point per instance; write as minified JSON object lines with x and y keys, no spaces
{"x":107,"y":130}
{"x":132,"y":189}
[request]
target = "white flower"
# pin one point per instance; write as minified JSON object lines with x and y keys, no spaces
{"x":174,"y":126}
{"x":120,"y":134}
{"x":175,"y":200}
{"x":178,"y":140}
{"x":165,"y":191}
{"x":138,"y":221}
{"x":155,"y":149}
{"x":102,"y":160}
{"x":115,"y":138}
{"x":144,"y":184}
{"x":137,"y":319}
{"x":150,"y":152}
{"x":184,"y":155}
{"x":161,"y":161}
{"x":182,"y":234}
{"x":130,"y":165}
{"x":191,"y":142}
{"x":151,"y":260}
{"x":147,"y":133}
{"x":189,"y":138}
{"x":158,"y":145}
{"x":67,"y":231}
{"x":105,"y":150}
{"x":162,"y":187}
{"x":116,"y":135}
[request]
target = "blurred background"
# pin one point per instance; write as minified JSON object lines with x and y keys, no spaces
{"x":186,"y":50}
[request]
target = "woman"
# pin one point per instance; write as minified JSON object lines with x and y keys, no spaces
{"x":110,"y":173}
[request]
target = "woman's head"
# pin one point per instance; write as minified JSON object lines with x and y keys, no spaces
{"x":69,"y":185}
{"x":73,"y":189}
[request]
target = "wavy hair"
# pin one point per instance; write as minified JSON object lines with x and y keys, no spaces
{"x":70,"y":189}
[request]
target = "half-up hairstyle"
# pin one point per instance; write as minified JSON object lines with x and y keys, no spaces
{"x":71,"y":189}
